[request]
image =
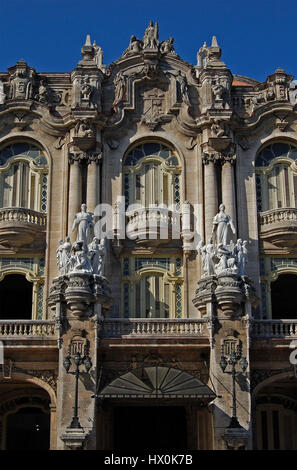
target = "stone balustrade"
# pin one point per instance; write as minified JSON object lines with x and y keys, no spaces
{"x":152,"y":327}
{"x":20,"y":329}
{"x":153,"y":223}
{"x":275,"y":216}
{"x":19,"y":214}
{"x":274,"y":329}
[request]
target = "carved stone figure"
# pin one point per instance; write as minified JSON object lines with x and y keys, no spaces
{"x":218,"y":130}
{"x":94,"y":254}
{"x":134,"y":47}
{"x":86,"y":93}
{"x":119,"y":88}
{"x":59,"y":255}
{"x":240,"y":253}
{"x":43,"y":96}
{"x":223,"y":254}
{"x":21,"y":85}
{"x":151,"y":36}
{"x":84,"y":222}
{"x":2,"y":94}
{"x":98,"y":54}
{"x":84,"y":128}
{"x":65,"y":255}
{"x":221,"y":224}
{"x":167,"y":47}
{"x":217,"y":91}
{"x":183,"y":85}
{"x":79,"y":260}
{"x":208,"y":253}
{"x":97,"y":252}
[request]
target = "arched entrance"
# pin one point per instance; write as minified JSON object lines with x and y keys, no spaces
{"x":156,"y":407}
{"x":27,"y":414}
{"x":275,"y":414}
{"x":28,"y":428}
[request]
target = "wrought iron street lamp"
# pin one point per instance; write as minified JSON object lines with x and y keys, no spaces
{"x":78,"y":361}
{"x":232,"y":360}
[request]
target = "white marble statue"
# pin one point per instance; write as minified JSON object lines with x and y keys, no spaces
{"x":2,"y":94}
{"x":240,"y":252}
{"x":79,"y":260}
{"x":150,"y":38}
{"x":208,"y":253}
{"x":97,"y":252}
{"x":221,"y":224}
{"x":83,"y":221}
{"x":59,"y":255}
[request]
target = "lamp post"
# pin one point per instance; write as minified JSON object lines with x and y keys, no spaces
{"x":78,"y":361}
{"x":232,"y":360}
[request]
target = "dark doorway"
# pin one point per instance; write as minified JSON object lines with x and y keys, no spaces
{"x":147,"y":428}
{"x":16,"y":298}
{"x":283,"y":300}
{"x":28,"y":429}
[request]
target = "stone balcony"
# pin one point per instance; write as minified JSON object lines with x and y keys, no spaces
{"x":28,"y":332}
{"x":20,"y":227}
{"x":153,"y":328}
{"x":154,"y":225}
{"x":279,"y":329}
{"x":279,"y":227}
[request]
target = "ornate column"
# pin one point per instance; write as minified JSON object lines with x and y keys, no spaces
{"x":228,"y":186}
{"x":74,"y":193}
{"x":210,"y":192}
{"x":93,"y":181}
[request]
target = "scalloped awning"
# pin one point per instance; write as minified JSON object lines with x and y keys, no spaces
{"x":157,"y":382}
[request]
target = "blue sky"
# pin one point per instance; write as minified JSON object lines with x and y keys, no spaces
{"x":256,"y":36}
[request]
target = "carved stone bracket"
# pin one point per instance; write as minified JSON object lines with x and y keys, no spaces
{"x":80,"y":291}
{"x":226,"y":290}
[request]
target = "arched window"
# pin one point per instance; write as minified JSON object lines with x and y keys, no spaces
{"x":152,"y":287}
{"x":151,"y":175}
{"x":22,"y":288}
{"x":276,"y":184}
{"x":278,"y":287}
{"x":23,"y":177}
{"x":276,"y":422}
{"x":16,"y":298}
{"x":283,"y":297}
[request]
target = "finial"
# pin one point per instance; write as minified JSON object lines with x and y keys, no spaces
{"x":87,"y":51}
{"x":214,"y":42}
{"x":88,"y":40}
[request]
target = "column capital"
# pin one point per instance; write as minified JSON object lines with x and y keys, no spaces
{"x":78,"y":157}
{"x":210,"y":157}
{"x":94,"y":157}
{"x":228,"y":158}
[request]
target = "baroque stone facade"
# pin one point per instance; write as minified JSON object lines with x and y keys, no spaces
{"x":148,"y":253}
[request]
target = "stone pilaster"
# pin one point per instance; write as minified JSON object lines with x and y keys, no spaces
{"x":224,"y":299}
{"x":78,"y":299}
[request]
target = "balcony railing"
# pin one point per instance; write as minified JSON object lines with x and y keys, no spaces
{"x":274,"y":329}
{"x":274,"y":216}
{"x":20,"y":329}
{"x":19,"y":214}
{"x":148,"y":328}
{"x":153,"y":223}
